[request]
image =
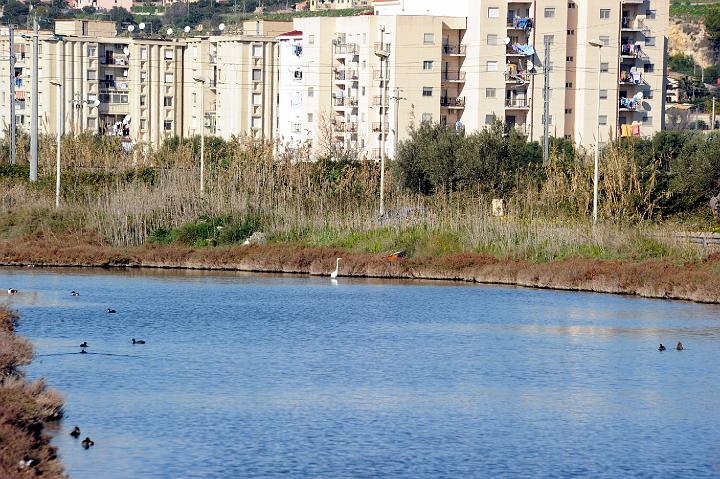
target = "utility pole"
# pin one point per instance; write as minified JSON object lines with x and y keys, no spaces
{"x":546,"y":103}
{"x":385,"y":73}
{"x":596,"y":169}
{"x":713,"y":114}
{"x":397,"y":99}
{"x":34,"y":119}
{"x":12,"y":94}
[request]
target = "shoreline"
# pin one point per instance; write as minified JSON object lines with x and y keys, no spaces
{"x":659,"y":279}
{"x":26,"y":410}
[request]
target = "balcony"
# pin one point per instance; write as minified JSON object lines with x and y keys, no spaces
{"x":379,"y":101}
{"x":630,"y":104}
{"x":631,"y":78}
{"x":517,"y":103}
{"x":345,"y":127}
{"x":453,"y":76}
{"x":346,"y":49}
{"x":452,"y":102}
{"x":375,"y":154}
{"x":517,"y":77}
{"x":520,"y":23}
{"x":454,"y":50}
{"x":377,"y":127}
{"x":380,"y":74}
{"x":633,"y":25}
{"x":114,"y":60}
{"x":346,"y":75}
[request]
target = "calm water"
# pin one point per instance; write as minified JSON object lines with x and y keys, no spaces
{"x":262,"y":376}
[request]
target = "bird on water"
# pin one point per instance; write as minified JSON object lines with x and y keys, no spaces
{"x":661,"y":348}
{"x":12,"y":291}
{"x":75,"y":432}
{"x":84,"y":344}
{"x":138,"y":341}
{"x":679,"y":346}
{"x":82,"y":351}
{"x":87,"y":442}
{"x":74,"y":293}
{"x":111,"y":310}
{"x":334,"y":274}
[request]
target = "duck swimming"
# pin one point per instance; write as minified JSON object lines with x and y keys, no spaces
{"x":661,"y":348}
{"x":82,"y":351}
{"x":12,"y":291}
{"x":74,"y":293}
{"x":679,"y":346}
{"x":75,"y":432}
{"x":87,"y":442}
{"x":138,"y":341}
{"x":84,"y":344}
{"x":111,"y":310}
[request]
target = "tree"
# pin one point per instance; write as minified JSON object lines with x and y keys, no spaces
{"x":120,"y":16}
{"x":712,"y":24}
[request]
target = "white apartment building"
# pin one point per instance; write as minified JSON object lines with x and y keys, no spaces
{"x":619,"y":83}
{"x":362,"y":82}
{"x":316,"y":5}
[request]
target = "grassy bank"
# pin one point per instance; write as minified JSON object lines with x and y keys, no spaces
{"x":25,"y":410}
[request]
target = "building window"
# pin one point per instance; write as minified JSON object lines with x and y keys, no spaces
{"x":604,"y":13}
{"x":256,"y":74}
{"x":650,"y":15}
{"x":489,"y":119}
{"x":362,"y":91}
{"x":257,"y":99}
{"x":568,"y":111}
{"x":142,"y":100}
{"x":550,"y":120}
{"x":569,"y":59}
{"x":92,"y":75}
{"x":143,"y":124}
{"x":604,"y":41}
{"x":297,"y":75}
{"x":649,"y":68}
{"x":492,"y":39}
{"x":167,"y":125}
{"x":647,"y":120}
{"x":571,"y":33}
{"x":604,"y":67}
{"x":168,"y":101}
{"x":649,"y":41}
{"x":493,"y":12}
{"x":257,"y":50}
{"x":92,"y":51}
{"x":168,"y":78}
{"x":143,"y":53}
{"x":491,"y":66}
{"x":568,"y":84}
{"x":429,"y":38}
{"x":550,"y":13}
{"x":549,"y":39}
{"x":603,"y":94}
{"x":602,"y":119}
{"x":427,"y":65}
{"x":311,"y":92}
{"x":92,"y":123}
{"x":311,"y":39}
{"x":427,"y":91}
{"x":310,"y":117}
{"x":427,"y":117}
{"x":168,"y":54}
{"x":490,"y":93}
{"x":143,"y":77}
{"x":571,"y":5}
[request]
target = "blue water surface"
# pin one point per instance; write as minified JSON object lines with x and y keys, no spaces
{"x":277,"y":376}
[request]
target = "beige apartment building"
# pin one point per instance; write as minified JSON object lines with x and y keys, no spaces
{"x":316,"y":5}
{"x":362,"y":82}
{"x":611,"y":53}
{"x":144,"y":89}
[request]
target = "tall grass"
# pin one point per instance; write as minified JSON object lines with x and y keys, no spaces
{"x":109,"y":197}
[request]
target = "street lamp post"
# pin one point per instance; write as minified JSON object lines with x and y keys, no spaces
{"x":58,"y":140}
{"x":599,"y":46}
{"x":202,"y":133}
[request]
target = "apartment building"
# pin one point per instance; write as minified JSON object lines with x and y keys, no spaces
{"x":316,"y":5}
{"x":145,"y":89}
{"x":362,"y":82}
{"x":606,"y":61}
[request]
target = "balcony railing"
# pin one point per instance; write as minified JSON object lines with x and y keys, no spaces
{"x":452,"y":102}
{"x":346,"y":49}
{"x":517,"y":77}
{"x":520,"y":23}
{"x":345,"y":127}
{"x":631,"y":78}
{"x":453,"y":76}
{"x":343,"y":75}
{"x":375,"y":154}
{"x":115,"y":60}
{"x":377,"y":127}
{"x":380,"y":74}
{"x":517,"y":102}
{"x":379,"y":101}
{"x":382,"y":48}
{"x":633,"y":24}
{"x":448,"y":49}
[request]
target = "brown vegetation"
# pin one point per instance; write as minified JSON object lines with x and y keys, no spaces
{"x":25,"y":409}
{"x":654,"y":278}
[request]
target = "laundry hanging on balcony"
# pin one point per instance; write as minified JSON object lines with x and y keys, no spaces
{"x":522,"y":23}
{"x":526,"y":50}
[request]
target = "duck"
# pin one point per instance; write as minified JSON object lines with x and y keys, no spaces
{"x":84,"y":344}
{"x":28,"y":461}
{"x":138,"y":341}
{"x":75,"y":432}
{"x":679,"y":346}
{"x":661,"y":348}
{"x":74,"y":293}
{"x":87,"y":442}
{"x":111,"y":311}
{"x":82,"y":351}
{"x":12,"y":291}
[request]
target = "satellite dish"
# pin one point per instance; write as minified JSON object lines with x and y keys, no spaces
{"x":221,"y":27}
{"x":141,"y":26}
{"x":186,"y":29}
{"x":507,"y":40}
{"x":126,"y":50}
{"x":169,"y":31}
{"x":639,"y":97}
{"x":131,"y":28}
{"x":199,"y":28}
{"x":96,"y":103}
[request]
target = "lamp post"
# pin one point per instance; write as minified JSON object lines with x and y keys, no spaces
{"x":58,"y":140}
{"x":202,"y":133}
{"x":599,"y":46}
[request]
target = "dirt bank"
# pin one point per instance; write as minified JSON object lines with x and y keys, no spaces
{"x":26,"y":408}
{"x":652,"y":279}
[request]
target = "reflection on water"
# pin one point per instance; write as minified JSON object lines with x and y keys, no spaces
{"x":268,"y":376}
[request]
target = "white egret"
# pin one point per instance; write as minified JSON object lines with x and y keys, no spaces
{"x":334,"y":274}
